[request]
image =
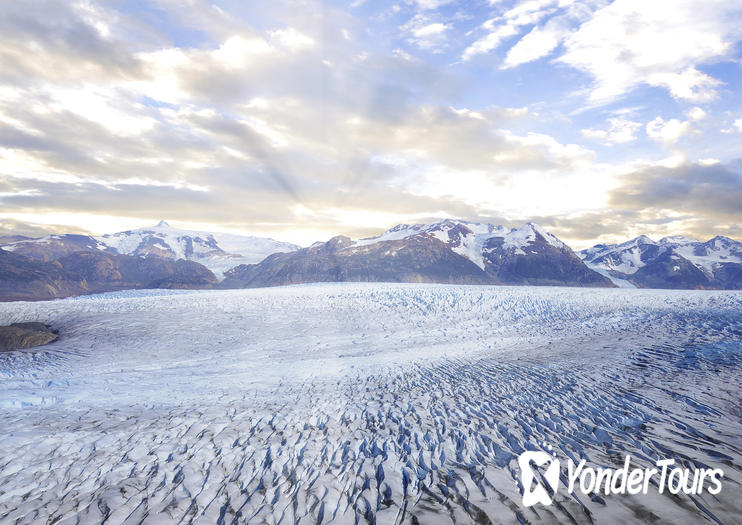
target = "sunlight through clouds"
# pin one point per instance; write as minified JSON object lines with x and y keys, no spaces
{"x":303,"y":120}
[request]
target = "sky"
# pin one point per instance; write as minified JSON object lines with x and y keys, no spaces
{"x":301,"y":120}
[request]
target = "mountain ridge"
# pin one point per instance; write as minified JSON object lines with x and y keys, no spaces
{"x":443,"y":251}
{"x":671,"y":262}
{"x":447,"y":251}
{"x":217,"y":251}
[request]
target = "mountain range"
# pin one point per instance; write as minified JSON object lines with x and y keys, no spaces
{"x":217,"y":251}
{"x":442,"y":252}
{"x":446,"y":251}
{"x":671,"y":262}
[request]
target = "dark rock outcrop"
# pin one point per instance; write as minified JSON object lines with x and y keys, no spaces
{"x":25,"y":335}
{"x":23,"y":278}
{"x":668,"y":270}
{"x":100,"y":272}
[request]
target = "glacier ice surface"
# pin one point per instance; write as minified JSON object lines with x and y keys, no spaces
{"x":365,"y":403}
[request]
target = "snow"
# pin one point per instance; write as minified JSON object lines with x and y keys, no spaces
{"x":621,"y":283}
{"x":551,"y":239}
{"x":714,"y":252}
{"x":626,"y":257}
{"x":232,"y":250}
{"x":470,"y":245}
{"x":517,"y":240}
{"x":11,"y":246}
{"x":399,"y":232}
{"x":676,"y":240}
{"x":629,"y":261}
{"x":349,"y":403}
{"x":520,"y":238}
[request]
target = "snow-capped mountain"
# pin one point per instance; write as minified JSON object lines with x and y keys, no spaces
{"x":671,"y":262}
{"x":446,"y":251}
{"x":159,"y":257}
{"x":472,"y":240}
{"x":465,"y":238}
{"x":217,"y":251}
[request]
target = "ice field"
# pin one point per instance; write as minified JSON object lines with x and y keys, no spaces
{"x":366,"y":403}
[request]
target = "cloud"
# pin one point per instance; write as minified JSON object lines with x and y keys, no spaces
{"x":426,"y":33}
{"x":194,"y":132}
{"x":688,"y":85}
{"x":736,"y":127}
{"x":698,"y":200}
{"x":668,"y":132}
{"x":291,"y":39}
{"x":620,"y":131}
{"x":540,"y":42}
{"x":491,"y":41}
{"x":509,"y":24}
{"x":429,"y":4}
{"x":206,"y":117}
{"x":696,"y":113}
{"x":543,"y":39}
{"x":701,"y":190}
{"x":585,"y":229}
{"x":582,"y":229}
{"x":622,"y":44}
{"x":631,"y":42}
{"x":9,"y":226}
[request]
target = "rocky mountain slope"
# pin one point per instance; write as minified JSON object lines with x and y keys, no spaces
{"x":418,"y":259}
{"x":671,"y":262}
{"x":26,"y":279}
{"x":217,"y":251}
{"x":444,"y":252}
{"x":158,"y":257}
{"x":51,"y":247}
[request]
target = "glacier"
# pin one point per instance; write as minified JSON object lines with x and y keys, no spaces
{"x":365,"y":403}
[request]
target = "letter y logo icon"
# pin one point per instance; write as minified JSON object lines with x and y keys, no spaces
{"x":537,"y":494}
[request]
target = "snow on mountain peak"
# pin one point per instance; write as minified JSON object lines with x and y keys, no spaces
{"x":677,"y":240}
{"x":526,"y":234}
{"x":723,"y":241}
{"x":630,"y":246}
{"x":217,"y":251}
{"x":621,"y":260}
{"x":468,"y":238}
{"x":642,"y":239}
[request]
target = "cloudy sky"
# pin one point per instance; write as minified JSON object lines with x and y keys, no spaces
{"x":304,"y":119}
